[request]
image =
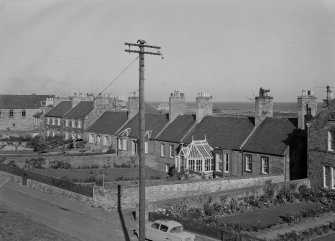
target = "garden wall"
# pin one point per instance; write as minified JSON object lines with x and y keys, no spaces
{"x":236,"y":194}
{"x":13,"y":178}
{"x":129,"y":198}
{"x":74,"y":160}
{"x":59,"y":192}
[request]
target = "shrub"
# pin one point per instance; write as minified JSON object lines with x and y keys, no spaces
{"x":35,"y":163}
{"x":59,"y":165}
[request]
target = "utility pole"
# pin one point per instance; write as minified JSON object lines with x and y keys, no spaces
{"x":142,"y":45}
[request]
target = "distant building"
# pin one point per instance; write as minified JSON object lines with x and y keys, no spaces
{"x":18,"y":112}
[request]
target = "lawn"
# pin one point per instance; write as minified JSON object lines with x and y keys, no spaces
{"x":16,"y":226}
{"x":110,"y":174}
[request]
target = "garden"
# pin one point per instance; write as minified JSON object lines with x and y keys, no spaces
{"x":256,"y":216}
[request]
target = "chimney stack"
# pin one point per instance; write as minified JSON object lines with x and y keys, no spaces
{"x":133,"y":105}
{"x":329,"y":96}
{"x":263,"y":106}
{"x":177,"y":105}
{"x":307,"y":108}
{"x":204,"y":106}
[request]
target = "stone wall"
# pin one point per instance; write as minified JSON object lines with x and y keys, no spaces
{"x":236,"y":194}
{"x":59,"y":192}
{"x":75,"y":161}
{"x":13,"y":178}
{"x":129,"y":196}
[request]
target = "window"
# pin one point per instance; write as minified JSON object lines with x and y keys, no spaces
{"x":124,"y":144}
{"x":146,"y":147}
{"x":171,"y":151}
{"x":163,"y":228}
{"x":23,"y":113}
{"x":79,"y":123}
{"x":208,"y":165}
{"x":73,"y":123}
{"x":54,"y":120}
{"x":199,"y":165}
{"x":331,"y":141}
{"x":119,"y":144}
{"x":66,"y":135}
{"x":91,"y":138}
{"x":106,"y":140}
{"x":98,"y":140}
{"x":48,"y":121}
{"x":11,"y":113}
{"x":326,"y":172}
{"x":155,"y":225}
{"x":226,"y":162}
{"x":162,"y":150}
{"x":0,"y":113}
{"x":48,"y":133}
{"x":218,"y":158}
{"x":191,"y":165}
{"x":67,"y":123}
{"x":58,"y":121}
{"x":265,"y":165}
{"x":248,"y":162}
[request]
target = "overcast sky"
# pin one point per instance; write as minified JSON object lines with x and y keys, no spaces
{"x":226,"y":48}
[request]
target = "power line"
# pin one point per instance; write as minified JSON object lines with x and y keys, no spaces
{"x":124,"y":70}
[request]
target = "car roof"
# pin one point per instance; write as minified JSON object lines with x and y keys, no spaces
{"x":169,"y":223}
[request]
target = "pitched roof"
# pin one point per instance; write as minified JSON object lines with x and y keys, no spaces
{"x":154,"y":123}
{"x":272,"y":136}
{"x":22,"y":101}
{"x":223,"y":132}
{"x":175,"y":131}
{"x":81,"y":110}
{"x":108,"y":123}
{"x":197,"y":150}
{"x":150,"y":109}
{"x":60,"y":110}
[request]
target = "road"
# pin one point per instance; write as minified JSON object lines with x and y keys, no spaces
{"x":70,"y":217}
{"x":67,"y":216}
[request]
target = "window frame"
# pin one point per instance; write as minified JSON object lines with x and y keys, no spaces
{"x":23,"y":113}
{"x":162,"y":150}
{"x":225,"y":163}
{"x":331,"y":140}
{"x":171,"y":151}
{"x":146,"y":147}
{"x":248,"y":163}
{"x":264,"y":160}
{"x":11,"y":113}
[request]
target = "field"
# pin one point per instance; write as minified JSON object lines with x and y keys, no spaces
{"x":110,"y":174}
{"x":15,"y":226}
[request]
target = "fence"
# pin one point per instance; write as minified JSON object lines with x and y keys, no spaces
{"x":61,"y":183}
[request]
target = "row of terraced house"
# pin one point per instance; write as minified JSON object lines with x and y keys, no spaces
{"x":217,"y":146}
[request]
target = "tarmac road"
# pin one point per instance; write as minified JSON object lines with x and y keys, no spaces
{"x":75,"y":219}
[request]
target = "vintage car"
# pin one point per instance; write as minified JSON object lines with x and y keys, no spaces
{"x":166,"y":230}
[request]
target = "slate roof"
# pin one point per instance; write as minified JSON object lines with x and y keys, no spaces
{"x":80,"y":111}
{"x":153,"y":122}
{"x":150,"y":109}
{"x":177,"y":129}
{"x":272,"y":136}
{"x":108,"y":123}
{"x":224,"y":132}
{"x":22,"y":101}
{"x":60,"y":110}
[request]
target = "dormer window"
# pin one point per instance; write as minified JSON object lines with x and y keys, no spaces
{"x":67,"y":122}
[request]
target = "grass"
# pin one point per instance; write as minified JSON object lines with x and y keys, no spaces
{"x":111,"y":174}
{"x":16,"y":226}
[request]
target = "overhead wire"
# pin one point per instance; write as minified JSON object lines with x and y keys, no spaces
{"x":118,"y":76}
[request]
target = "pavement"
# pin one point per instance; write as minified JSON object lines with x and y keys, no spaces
{"x":70,"y":217}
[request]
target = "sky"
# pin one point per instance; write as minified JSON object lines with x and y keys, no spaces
{"x":227,"y":48}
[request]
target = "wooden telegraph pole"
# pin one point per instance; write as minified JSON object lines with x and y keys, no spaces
{"x":142,"y":45}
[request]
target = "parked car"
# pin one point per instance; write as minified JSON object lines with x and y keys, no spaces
{"x":166,"y":230}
